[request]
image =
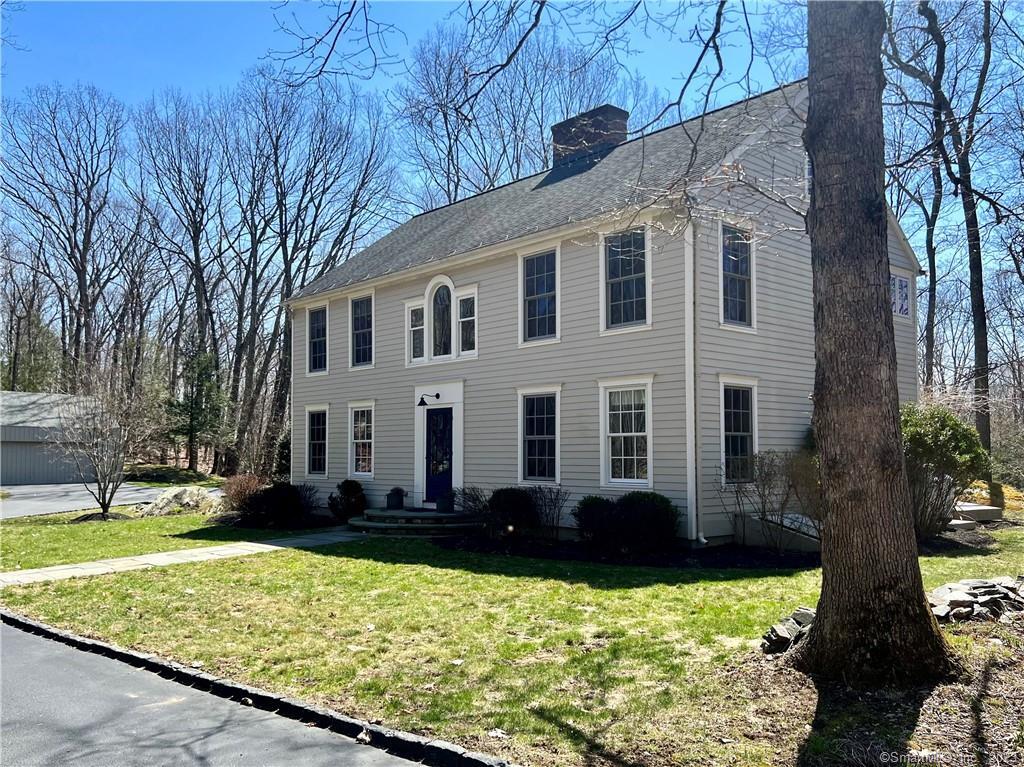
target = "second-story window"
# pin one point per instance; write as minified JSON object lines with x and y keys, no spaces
{"x":737,"y":279}
{"x":316,"y":322}
{"x":467,"y":324}
{"x":442,"y":320}
{"x":417,"y":349}
{"x":362,"y":331}
{"x":540,"y":311}
{"x":625,"y":278}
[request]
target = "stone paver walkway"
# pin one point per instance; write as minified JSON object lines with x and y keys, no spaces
{"x":164,"y":558}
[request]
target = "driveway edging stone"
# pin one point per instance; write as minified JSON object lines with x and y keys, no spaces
{"x":436,"y":753}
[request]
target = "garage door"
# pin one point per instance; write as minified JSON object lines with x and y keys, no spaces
{"x":34,"y":463}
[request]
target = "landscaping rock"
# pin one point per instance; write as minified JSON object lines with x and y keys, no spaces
{"x":978,"y":599}
{"x":974,"y":599}
{"x":177,"y":500}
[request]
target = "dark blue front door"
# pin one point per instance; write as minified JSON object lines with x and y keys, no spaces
{"x":439,"y":453}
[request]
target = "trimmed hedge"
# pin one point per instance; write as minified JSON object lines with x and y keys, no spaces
{"x":638,"y":522}
{"x":512,"y":511}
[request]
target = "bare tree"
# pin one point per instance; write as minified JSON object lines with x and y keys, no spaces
{"x":103,"y":425}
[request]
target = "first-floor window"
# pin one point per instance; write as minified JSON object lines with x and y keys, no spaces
{"x":627,"y":433}
{"x":316,"y":450}
{"x":416,"y":330}
{"x":540,"y":437}
{"x":738,"y":432}
{"x":467,"y":324}
{"x":362,"y":440}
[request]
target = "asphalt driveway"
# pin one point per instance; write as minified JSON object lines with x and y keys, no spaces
{"x":29,"y":500}
{"x":59,"y":705}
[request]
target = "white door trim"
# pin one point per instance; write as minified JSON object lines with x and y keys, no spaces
{"x":451,"y":396}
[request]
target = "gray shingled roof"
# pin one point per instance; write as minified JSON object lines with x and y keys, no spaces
{"x":637,"y":172}
{"x":39,"y":410}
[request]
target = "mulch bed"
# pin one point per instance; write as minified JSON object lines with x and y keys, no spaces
{"x":97,"y":516}
{"x":725,"y":556}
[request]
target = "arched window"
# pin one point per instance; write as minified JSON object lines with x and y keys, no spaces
{"x":442,"y":319}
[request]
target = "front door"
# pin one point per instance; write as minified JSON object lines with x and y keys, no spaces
{"x":438,"y":453}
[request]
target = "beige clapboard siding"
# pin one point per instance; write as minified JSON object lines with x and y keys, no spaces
{"x":780,"y":355}
{"x":577,"y":363}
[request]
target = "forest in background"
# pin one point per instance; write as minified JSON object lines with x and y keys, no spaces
{"x":158,"y":243}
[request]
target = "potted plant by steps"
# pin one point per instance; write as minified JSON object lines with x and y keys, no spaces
{"x":396,"y":499}
{"x":446,"y":503}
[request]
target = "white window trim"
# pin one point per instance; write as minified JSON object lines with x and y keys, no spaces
{"x":427,"y":304}
{"x":373,"y":330}
{"x":327,"y":340}
{"x":617,"y":384}
{"x":467,"y":291}
{"x":362,"y":405}
{"x":734,"y":380}
{"x":895,"y":271}
{"x":521,"y":332}
{"x":524,"y":391}
{"x":748,"y":227}
{"x":326,"y":410}
{"x":603,"y":329}
{"x":409,"y":306}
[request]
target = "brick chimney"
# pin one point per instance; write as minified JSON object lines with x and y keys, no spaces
{"x":593,"y":131}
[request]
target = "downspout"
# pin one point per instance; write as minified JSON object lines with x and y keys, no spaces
{"x":695,"y":531}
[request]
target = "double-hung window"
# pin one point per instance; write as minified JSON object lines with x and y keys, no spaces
{"x":899,"y":287}
{"x":316,"y":329}
{"x":316,"y":442}
{"x":738,"y":435}
{"x":467,"y":324}
{"x":362,"y":331}
{"x":540,"y":301}
{"x":539,"y":436}
{"x":417,"y":349}
{"x":361,"y":450}
{"x":626,"y":453}
{"x":737,"y":277}
{"x":626,"y":273}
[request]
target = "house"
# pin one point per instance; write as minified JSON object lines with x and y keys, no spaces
{"x":637,"y":317}
{"x":29,"y":453}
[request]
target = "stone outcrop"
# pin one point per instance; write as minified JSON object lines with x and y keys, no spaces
{"x":177,"y":500}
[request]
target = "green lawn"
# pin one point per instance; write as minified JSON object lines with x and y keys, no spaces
{"x":578,"y":663}
{"x":27,"y":542}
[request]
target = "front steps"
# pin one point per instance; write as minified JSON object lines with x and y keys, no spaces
{"x":978,"y":512}
{"x":415,"y":523}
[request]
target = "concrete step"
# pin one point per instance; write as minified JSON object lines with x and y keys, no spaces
{"x":416,"y":516}
{"x":422,"y":529}
{"x":957,"y":525}
{"x":978,"y":512}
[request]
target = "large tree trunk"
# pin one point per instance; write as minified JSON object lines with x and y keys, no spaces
{"x":873,"y":622}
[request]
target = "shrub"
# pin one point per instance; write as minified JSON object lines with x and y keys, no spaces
{"x":596,"y":520}
{"x":281,"y":505}
{"x":512,"y":511}
{"x":943,"y":456}
{"x":348,"y":502}
{"x":647,"y":521}
{"x":239,"y":489}
{"x":470,"y":500}
{"x":309,"y":498}
{"x":550,"y":501}
{"x":933,"y":436}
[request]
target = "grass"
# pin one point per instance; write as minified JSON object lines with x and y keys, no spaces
{"x":4,"y":494}
{"x":159,"y":475}
{"x":52,"y":539}
{"x":577,"y":663}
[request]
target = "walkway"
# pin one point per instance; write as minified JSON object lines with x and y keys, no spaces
{"x":181,"y":556}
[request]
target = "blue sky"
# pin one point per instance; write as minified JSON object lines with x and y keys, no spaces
{"x":135,"y":48}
